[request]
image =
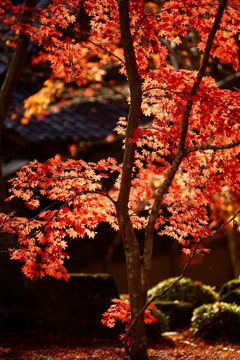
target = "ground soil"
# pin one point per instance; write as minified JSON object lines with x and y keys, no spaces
{"x":179,"y":345}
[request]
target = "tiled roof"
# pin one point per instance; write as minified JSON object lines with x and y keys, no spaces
{"x":87,"y":120}
{"x":82,"y":117}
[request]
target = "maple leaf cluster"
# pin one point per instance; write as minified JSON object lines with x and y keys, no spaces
{"x":120,"y":311}
{"x":78,"y":53}
{"x":69,"y":47}
{"x":79,"y":203}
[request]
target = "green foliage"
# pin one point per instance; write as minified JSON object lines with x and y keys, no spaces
{"x":179,"y":313}
{"x":125,"y":297}
{"x":232,"y":297}
{"x":186,"y":290}
{"x":157,"y":328}
{"x":215,"y":321}
{"x":229,"y":286}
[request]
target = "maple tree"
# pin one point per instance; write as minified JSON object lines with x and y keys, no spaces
{"x":174,"y":170}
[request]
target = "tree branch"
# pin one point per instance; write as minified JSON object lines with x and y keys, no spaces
{"x":147,"y":256}
{"x":228,"y":79}
{"x":212,"y":147}
{"x":166,"y":89}
{"x":185,"y":93}
{"x":107,"y":51}
{"x":65,"y":202}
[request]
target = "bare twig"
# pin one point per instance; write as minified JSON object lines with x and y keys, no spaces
{"x":107,"y":51}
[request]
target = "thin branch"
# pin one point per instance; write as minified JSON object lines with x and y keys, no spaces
{"x":166,"y":89}
{"x":66,"y":202}
{"x":228,"y":79}
{"x":107,"y":85}
{"x":185,"y":93}
{"x":71,"y":177}
{"x":107,"y":51}
{"x":212,"y":147}
{"x":185,"y":268}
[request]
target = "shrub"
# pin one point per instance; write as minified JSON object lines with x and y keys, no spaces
{"x":186,"y":290}
{"x":230,"y":286}
{"x":215,"y":321}
{"x":232,"y":297}
{"x":179,"y":313}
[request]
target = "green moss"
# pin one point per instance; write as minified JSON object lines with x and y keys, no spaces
{"x":229,"y":286}
{"x":186,"y":290}
{"x":102,"y":275}
{"x":232,"y":297}
{"x":216,"y":321}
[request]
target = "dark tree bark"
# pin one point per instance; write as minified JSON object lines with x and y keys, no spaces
{"x":138,"y":349}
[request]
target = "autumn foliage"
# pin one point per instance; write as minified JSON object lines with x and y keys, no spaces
{"x":76,"y":188}
{"x":175,"y":169}
{"x":120,"y":311}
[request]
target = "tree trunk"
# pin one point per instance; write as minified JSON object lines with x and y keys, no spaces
{"x":138,"y":343}
{"x":6,"y":93}
{"x":234,"y":250}
{"x":8,"y":88}
{"x":138,"y":348}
